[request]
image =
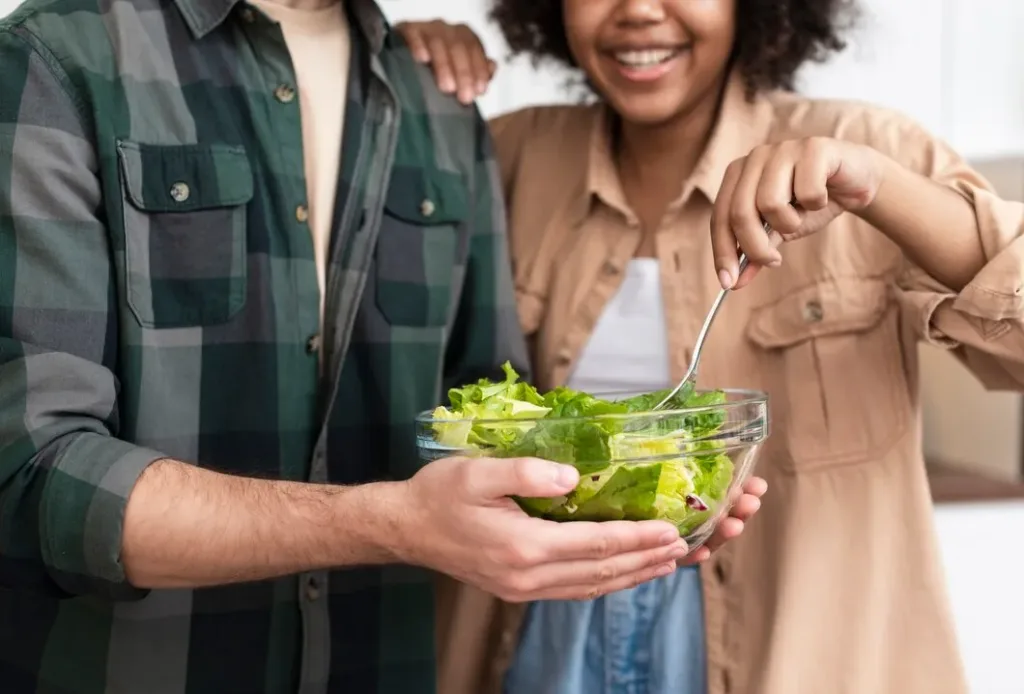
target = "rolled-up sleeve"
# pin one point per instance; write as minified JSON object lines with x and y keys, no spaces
{"x":984,"y":322}
{"x":65,"y":477}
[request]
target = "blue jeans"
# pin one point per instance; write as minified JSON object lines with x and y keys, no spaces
{"x":648,"y":640}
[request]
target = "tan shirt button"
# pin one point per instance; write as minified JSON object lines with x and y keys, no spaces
{"x":302,"y":214}
{"x":427,"y":208}
{"x":813,"y":312}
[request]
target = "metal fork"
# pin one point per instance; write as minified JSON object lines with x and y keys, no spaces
{"x":691,"y":373}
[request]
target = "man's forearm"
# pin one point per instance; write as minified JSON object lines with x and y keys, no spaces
{"x":189,"y":527}
{"x":935,"y":226}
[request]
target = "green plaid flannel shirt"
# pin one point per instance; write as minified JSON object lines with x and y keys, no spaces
{"x":158,"y":298}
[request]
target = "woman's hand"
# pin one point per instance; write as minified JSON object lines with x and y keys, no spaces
{"x":797,"y":187}
{"x":461,"y":65}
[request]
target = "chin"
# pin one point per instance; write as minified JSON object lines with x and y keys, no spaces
{"x":636,"y":112}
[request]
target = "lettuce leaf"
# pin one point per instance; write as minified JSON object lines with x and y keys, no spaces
{"x":682,"y":483}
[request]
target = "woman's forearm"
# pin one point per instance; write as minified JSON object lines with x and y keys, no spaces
{"x":935,"y":226}
{"x":189,"y":527}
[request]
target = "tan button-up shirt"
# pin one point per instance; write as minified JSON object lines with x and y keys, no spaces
{"x":836,"y":587}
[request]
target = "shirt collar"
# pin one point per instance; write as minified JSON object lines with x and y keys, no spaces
{"x":741,"y":125}
{"x":203,"y":16}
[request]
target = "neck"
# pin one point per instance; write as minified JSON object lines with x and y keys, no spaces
{"x":663,"y":156}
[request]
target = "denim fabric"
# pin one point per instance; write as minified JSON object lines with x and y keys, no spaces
{"x":648,"y":640}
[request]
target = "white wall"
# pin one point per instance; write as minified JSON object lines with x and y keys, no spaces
{"x":984,"y":561}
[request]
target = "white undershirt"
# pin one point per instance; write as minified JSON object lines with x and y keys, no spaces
{"x":628,"y":350}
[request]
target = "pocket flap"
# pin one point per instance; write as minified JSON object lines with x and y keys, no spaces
{"x":184,"y":178}
{"x":836,"y":306}
{"x":427,"y":197}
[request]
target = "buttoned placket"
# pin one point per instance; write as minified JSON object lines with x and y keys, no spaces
{"x":282,"y":104}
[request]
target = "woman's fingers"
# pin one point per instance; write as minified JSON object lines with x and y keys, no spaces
{"x":440,"y":59}
{"x":463,"y":71}
{"x":723,"y":243}
{"x":414,"y":38}
{"x":481,"y":67}
{"x":745,"y":220}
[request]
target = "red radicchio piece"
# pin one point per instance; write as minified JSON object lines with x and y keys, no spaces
{"x":696,"y":503}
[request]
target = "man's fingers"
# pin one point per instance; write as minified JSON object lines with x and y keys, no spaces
{"x":592,"y":574}
{"x":486,"y":480}
{"x":592,"y":592}
{"x":697,"y":556}
{"x":596,"y":541}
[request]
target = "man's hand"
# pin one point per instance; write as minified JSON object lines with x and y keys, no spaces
{"x":459,"y":520}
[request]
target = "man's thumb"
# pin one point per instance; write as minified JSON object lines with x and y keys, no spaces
{"x":525,"y":477}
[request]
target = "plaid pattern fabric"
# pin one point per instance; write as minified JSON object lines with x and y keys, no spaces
{"x":158,"y":298}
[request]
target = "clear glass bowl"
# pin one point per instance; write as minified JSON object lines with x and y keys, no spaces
{"x":684,"y":465}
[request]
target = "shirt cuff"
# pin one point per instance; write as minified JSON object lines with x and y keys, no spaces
{"x":995,"y":293}
{"x":89,"y":479}
{"x":921,"y":307}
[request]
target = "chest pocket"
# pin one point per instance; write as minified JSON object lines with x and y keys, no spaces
{"x":419,"y":250}
{"x":836,"y":371}
{"x":184,"y":213}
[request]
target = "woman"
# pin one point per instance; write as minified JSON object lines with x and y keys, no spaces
{"x":887,"y":239}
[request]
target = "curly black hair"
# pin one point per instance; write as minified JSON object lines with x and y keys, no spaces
{"x":773,"y":37}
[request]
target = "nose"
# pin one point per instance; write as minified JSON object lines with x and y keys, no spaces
{"x":641,"y":11}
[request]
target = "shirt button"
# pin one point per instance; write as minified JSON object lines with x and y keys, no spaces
{"x":302,"y":214}
{"x":312,"y":589}
{"x":285,"y":93}
{"x":313,"y":344}
{"x":180,"y":192}
{"x":427,"y":207}
{"x":813,"y":312}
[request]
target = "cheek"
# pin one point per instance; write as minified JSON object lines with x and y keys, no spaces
{"x":581,"y":20}
{"x":712,"y":22}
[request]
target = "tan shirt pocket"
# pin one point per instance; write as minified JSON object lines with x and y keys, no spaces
{"x":836,"y":371}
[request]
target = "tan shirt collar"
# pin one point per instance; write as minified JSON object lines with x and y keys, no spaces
{"x":741,"y":126}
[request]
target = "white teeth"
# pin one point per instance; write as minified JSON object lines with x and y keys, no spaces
{"x":644,"y":58}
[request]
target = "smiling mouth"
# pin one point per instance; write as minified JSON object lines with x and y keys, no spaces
{"x":646,"y":58}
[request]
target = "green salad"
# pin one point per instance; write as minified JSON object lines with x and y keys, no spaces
{"x":663,"y":467}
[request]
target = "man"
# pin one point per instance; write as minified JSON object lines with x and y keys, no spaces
{"x":215,"y":334}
